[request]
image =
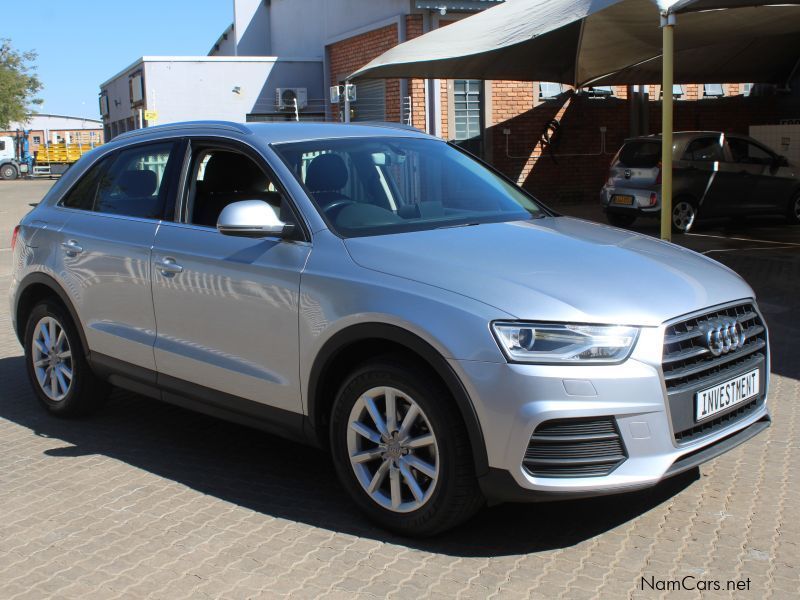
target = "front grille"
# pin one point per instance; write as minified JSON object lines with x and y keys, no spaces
{"x":706,"y":427}
{"x":689,"y":366}
{"x":590,"y":447}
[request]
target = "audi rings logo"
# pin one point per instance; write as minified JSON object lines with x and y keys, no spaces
{"x":724,"y":335}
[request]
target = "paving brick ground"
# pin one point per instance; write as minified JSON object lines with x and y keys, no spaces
{"x":148,"y":500}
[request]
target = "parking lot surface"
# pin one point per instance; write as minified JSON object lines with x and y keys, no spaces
{"x":149,"y":500}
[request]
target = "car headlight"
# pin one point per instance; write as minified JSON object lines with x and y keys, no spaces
{"x":565,"y":343}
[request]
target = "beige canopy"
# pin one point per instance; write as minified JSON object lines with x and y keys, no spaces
{"x":583,"y":42}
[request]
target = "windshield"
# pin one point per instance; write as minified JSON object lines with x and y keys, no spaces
{"x":372,"y":186}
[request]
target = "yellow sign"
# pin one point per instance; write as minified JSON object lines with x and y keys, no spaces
{"x":151,"y":115}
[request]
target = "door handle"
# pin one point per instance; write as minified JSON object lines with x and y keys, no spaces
{"x":72,"y":247}
{"x":168,"y":266}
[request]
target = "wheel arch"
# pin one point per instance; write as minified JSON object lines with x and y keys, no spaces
{"x":356,"y":343}
{"x":34,"y":288}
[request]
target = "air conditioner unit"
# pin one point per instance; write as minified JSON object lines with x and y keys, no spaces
{"x":285,"y":98}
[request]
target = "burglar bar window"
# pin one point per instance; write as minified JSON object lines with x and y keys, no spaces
{"x":467,"y":108}
{"x":549,"y":90}
{"x":713,"y":90}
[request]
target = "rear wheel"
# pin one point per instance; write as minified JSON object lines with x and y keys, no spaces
{"x":401,"y":450}
{"x":793,"y":213}
{"x":56,"y":363}
{"x":684,"y":215}
{"x":8,"y":171}
{"x":620,"y":219}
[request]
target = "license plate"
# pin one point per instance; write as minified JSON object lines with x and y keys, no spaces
{"x":624,"y":200}
{"x":721,"y":397}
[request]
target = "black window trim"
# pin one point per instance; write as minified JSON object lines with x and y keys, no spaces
{"x":303,"y":231}
{"x":113,"y":154}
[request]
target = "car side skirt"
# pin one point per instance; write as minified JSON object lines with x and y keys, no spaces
{"x":277,"y":421}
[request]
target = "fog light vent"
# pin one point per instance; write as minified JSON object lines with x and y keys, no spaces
{"x":590,"y":447}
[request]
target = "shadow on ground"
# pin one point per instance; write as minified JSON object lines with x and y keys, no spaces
{"x":286,"y":480}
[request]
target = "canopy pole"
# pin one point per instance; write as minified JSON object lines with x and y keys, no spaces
{"x":668,"y":55}
{"x":346,"y":101}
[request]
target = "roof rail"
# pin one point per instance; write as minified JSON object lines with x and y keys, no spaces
{"x":225,"y":125}
{"x":388,"y":125}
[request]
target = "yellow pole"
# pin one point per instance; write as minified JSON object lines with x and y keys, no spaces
{"x":668,"y":54}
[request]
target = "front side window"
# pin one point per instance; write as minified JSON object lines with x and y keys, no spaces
{"x":749,"y":153}
{"x":220,"y":177}
{"x":707,"y":149}
{"x":373,"y":186}
{"x":135,"y":183}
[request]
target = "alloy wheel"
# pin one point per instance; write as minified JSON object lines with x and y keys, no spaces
{"x":52,"y":359}
{"x":683,"y":216}
{"x":393,"y":449}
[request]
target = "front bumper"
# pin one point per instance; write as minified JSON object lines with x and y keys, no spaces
{"x":513,"y":399}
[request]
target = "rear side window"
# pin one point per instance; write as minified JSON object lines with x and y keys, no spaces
{"x":641,"y":154}
{"x":706,"y":149}
{"x":83,"y":194}
{"x":135,"y":184}
{"x":131,"y":183}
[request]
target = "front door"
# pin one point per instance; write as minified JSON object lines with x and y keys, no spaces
{"x":227,"y":307}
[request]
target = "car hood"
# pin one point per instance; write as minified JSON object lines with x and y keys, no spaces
{"x":557,"y":269}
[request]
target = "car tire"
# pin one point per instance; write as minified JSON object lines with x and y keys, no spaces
{"x":56,"y":363}
{"x":684,"y":215}
{"x":620,"y":220}
{"x":8,"y":172}
{"x":415,"y":489}
{"x":793,"y":213}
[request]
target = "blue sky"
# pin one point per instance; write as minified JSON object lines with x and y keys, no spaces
{"x":82,"y":43}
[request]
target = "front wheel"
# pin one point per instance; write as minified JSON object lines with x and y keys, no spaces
{"x":8,"y":172}
{"x":401,"y":450}
{"x":684,"y":214}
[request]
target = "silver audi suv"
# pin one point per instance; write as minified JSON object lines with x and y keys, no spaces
{"x":379,"y":293}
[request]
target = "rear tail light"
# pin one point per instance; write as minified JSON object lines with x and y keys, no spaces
{"x":653,"y":199}
{"x":658,"y":176}
{"x":14,"y":237}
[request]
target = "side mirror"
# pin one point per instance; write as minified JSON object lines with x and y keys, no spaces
{"x":251,"y":218}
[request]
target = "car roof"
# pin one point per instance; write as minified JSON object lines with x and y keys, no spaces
{"x":686,"y":135}
{"x":285,"y":131}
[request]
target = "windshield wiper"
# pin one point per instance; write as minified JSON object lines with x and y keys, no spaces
{"x":458,"y":225}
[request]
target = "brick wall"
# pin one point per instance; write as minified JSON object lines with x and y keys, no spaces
{"x":348,"y":55}
{"x":572,"y":168}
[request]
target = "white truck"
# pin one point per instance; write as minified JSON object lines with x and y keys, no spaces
{"x":10,"y":165}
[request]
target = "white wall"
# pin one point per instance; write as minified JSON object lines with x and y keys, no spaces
{"x":251,"y":19}
{"x":202,"y":89}
{"x":302,"y":27}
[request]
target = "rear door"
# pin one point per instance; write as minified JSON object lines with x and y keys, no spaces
{"x":104,"y":252}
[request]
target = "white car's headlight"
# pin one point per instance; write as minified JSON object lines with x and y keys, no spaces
{"x":564,"y":343}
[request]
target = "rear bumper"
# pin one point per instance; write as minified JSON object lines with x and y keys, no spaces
{"x":641,"y":203}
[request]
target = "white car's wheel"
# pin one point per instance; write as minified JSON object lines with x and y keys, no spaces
{"x":401,"y":449}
